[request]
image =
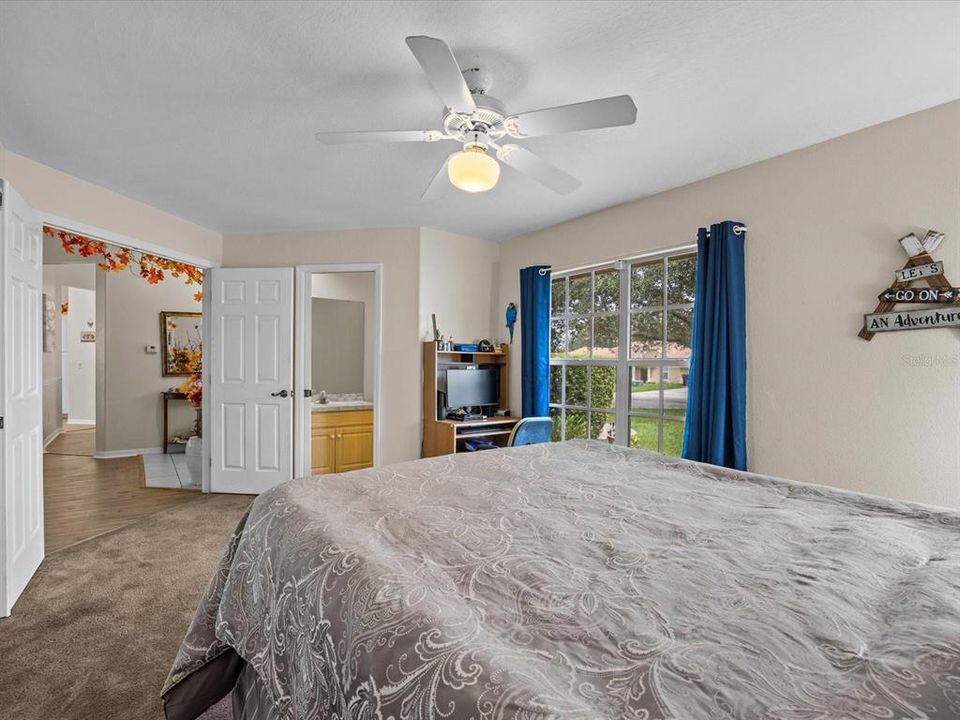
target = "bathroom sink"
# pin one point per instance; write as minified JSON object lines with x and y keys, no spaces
{"x":342,"y":405}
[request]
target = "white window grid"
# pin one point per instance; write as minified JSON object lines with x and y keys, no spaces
{"x":623,"y":363}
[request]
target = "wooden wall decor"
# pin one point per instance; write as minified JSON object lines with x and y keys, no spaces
{"x":919,"y":295}
{"x":920,"y":266}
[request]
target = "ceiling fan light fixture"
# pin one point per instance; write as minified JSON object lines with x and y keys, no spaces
{"x":472,"y":170}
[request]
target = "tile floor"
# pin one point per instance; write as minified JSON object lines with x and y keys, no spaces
{"x":168,"y":471}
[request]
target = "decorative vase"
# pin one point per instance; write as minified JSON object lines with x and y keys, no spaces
{"x":194,"y":453}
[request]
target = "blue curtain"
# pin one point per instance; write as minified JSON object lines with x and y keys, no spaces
{"x":715,"y":431}
{"x":535,"y":340}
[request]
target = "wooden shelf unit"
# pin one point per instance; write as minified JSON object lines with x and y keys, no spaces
{"x":442,"y":436}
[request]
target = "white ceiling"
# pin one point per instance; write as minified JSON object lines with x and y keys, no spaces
{"x":207,"y":110}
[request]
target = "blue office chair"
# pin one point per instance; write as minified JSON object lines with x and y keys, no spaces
{"x":531,"y":430}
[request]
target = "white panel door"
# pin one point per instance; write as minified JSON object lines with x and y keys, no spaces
{"x":21,"y":401}
{"x":251,"y":378}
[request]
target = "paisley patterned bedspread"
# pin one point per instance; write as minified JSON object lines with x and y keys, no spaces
{"x":580,"y":580}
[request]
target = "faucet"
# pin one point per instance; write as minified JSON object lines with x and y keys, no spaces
{"x":323,"y":397}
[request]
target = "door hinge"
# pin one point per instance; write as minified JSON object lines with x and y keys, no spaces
{"x":307,"y":392}
{"x":1,"y":423}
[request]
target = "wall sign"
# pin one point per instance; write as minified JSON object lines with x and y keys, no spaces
{"x":913,"y":319}
{"x":919,"y":295}
{"x":920,"y":266}
{"x":920,"y":271}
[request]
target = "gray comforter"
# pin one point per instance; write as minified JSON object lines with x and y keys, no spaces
{"x":580,"y":581}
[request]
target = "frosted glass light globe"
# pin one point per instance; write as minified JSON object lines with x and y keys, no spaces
{"x":472,"y":170}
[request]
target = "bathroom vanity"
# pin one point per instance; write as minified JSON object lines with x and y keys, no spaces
{"x":341,"y":436}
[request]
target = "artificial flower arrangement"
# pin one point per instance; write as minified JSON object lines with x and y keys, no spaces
{"x":192,"y":387}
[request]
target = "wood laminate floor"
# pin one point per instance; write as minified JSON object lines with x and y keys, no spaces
{"x":84,"y":497}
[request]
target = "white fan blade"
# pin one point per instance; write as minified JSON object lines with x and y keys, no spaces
{"x":366,"y":136}
{"x":608,"y":112}
{"x":438,"y":185}
{"x":524,"y":161}
{"x":443,"y":72}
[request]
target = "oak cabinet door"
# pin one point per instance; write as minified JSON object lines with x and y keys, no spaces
{"x":323,"y":451}
{"x":354,"y":448}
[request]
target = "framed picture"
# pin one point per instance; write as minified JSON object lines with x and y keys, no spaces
{"x":181,"y":341}
{"x":49,"y":324}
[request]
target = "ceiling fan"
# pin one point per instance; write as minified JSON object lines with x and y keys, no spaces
{"x":480,"y":122}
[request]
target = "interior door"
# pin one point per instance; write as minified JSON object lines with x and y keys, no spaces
{"x":21,"y":400}
{"x":251,"y":378}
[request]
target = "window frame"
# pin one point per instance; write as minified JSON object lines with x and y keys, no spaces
{"x":623,"y":411}
{"x":588,"y":362}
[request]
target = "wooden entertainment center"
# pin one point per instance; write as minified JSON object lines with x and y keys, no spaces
{"x":442,"y":436}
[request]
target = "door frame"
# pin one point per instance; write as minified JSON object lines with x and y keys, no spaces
{"x":303,"y":287}
{"x":115,"y":238}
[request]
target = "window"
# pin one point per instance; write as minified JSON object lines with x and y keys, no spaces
{"x":620,"y":351}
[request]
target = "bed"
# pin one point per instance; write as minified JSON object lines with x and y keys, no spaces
{"x":580,"y":581}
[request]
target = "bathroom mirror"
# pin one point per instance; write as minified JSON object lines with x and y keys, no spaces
{"x":338,"y":346}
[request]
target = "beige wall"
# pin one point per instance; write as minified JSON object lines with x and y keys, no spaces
{"x":57,"y":193}
{"x":130,"y":413}
{"x":823,"y":406}
{"x":398,"y":251}
{"x":458,"y":280}
{"x":359,"y":287}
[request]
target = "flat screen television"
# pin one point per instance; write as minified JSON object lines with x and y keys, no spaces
{"x":473,"y":388}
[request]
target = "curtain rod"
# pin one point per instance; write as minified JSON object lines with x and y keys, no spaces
{"x":737,"y":230}
{"x":629,"y":258}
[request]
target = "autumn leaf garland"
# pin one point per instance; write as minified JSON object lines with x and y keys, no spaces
{"x":152,"y":268}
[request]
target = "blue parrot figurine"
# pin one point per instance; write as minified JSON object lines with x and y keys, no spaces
{"x":511,"y":319}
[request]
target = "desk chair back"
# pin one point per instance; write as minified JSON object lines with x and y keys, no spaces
{"x":531,"y":430}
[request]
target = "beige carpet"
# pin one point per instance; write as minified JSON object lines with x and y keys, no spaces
{"x":95,"y":633}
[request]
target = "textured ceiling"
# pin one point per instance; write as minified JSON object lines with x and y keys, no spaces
{"x":207,"y":110}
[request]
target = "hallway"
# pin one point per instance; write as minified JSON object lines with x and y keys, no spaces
{"x":85,"y":497}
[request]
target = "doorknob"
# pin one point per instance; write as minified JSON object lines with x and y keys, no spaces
{"x":279,"y":393}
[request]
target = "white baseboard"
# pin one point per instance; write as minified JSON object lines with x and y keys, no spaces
{"x":80,"y":421}
{"x":52,"y":436}
{"x":107,"y":454}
